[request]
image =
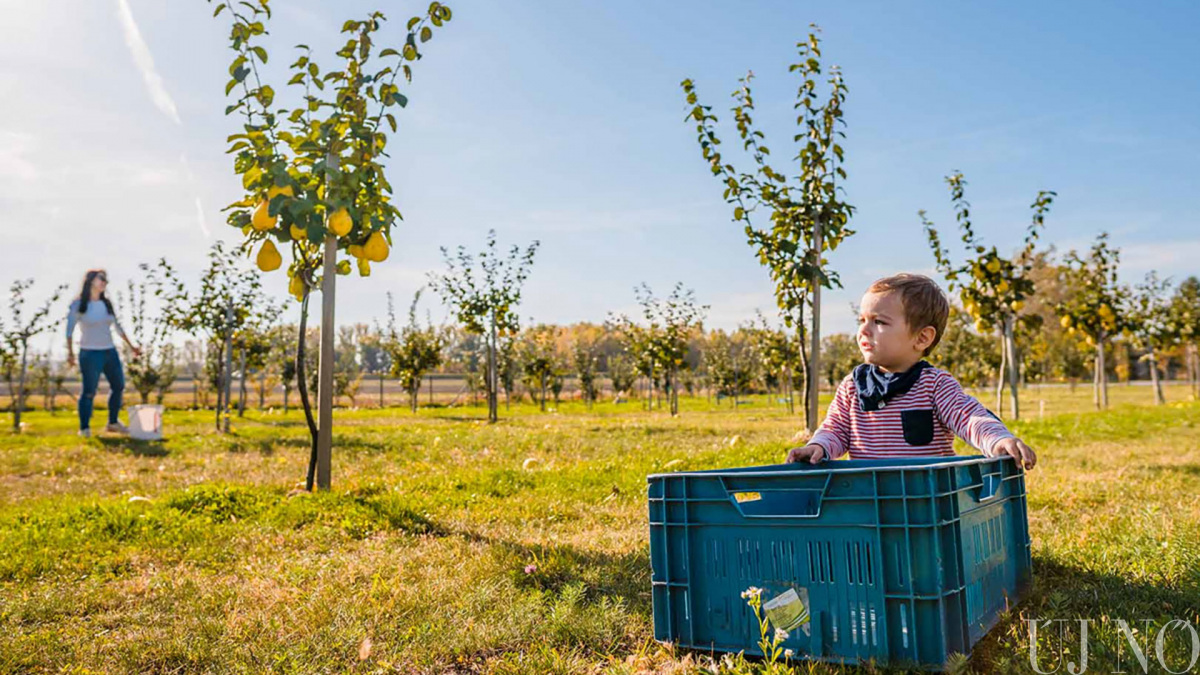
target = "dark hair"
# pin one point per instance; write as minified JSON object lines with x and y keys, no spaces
{"x":85,"y":294}
{"x":924,"y":302}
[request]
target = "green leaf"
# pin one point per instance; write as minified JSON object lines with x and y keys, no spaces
{"x":261,"y":53}
{"x":229,"y":86}
{"x":298,"y":78}
{"x":218,"y":11}
{"x":426,"y":33}
{"x":400,"y":98}
{"x":266,"y":95}
{"x":388,"y":52}
{"x":391,"y":121}
{"x":413,"y":21}
{"x":410,"y":52}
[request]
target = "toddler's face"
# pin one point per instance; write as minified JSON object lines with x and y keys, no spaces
{"x":884,"y":336}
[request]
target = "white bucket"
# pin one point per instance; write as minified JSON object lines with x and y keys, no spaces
{"x":145,"y":422}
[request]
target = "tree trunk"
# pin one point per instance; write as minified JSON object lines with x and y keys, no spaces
{"x":1154,"y":381}
{"x":812,"y":381}
{"x":326,"y":364}
{"x":1103,"y":373}
{"x":431,"y":389}
{"x":806,"y":373}
{"x":19,"y":406}
{"x":262,"y":389}
{"x":1010,"y":342}
{"x":1194,"y":389}
{"x":674,"y":392}
{"x":1000,"y":375}
{"x":381,"y":388}
{"x":302,"y":387}
{"x":1096,"y":380}
{"x":786,"y":387}
{"x":242,"y":388}
{"x":227,"y":380}
{"x":220,"y":388}
{"x":413,"y":393}
{"x":493,"y":371}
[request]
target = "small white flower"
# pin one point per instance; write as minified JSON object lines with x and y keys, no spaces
{"x":752,"y":592}
{"x":787,"y":653}
{"x":781,"y":634}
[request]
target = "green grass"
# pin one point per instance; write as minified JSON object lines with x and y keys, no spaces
{"x":189,"y":555}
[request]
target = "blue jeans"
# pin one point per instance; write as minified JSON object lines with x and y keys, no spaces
{"x":92,"y":362}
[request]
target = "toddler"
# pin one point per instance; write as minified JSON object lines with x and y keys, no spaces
{"x":896,"y":404}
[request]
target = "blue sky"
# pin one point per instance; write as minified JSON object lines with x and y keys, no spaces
{"x":564,"y":122}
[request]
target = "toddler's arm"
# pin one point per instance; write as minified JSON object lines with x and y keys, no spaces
{"x":832,"y":438}
{"x":975,"y":424}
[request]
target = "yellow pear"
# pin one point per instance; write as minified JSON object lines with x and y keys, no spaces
{"x":340,"y":223}
{"x":1065,"y":321}
{"x":355,"y":250}
{"x":268,"y":257}
{"x":376,"y":248}
{"x":262,"y":220}
{"x":1002,"y":286}
{"x":298,"y":234}
{"x":296,"y":287}
{"x":364,"y":267}
{"x":1017,"y":305}
{"x":993,"y":266}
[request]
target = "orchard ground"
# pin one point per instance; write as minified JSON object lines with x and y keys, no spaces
{"x":448,"y":545}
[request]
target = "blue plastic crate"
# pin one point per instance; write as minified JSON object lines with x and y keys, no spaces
{"x":904,"y":560}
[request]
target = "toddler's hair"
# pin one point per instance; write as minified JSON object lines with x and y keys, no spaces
{"x":924,"y":302}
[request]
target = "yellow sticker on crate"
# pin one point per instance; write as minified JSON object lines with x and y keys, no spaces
{"x":743,"y":497}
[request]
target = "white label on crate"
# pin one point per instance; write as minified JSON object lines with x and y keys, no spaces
{"x":789,"y":610}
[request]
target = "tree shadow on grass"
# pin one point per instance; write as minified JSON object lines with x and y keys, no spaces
{"x":121,"y":444}
{"x":1065,"y":591}
{"x":619,"y":576}
{"x":1190,"y":469}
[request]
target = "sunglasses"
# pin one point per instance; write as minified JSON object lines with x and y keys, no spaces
{"x":101,"y":277}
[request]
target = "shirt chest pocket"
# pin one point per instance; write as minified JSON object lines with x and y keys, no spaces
{"x":918,"y":426}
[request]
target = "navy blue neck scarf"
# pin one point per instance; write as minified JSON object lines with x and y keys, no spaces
{"x":875,"y":387}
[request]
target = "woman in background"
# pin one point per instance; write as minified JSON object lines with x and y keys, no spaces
{"x":97,"y":353}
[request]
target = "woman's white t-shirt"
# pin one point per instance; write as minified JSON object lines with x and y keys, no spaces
{"x":94,"y":325}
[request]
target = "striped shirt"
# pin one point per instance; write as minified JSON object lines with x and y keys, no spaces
{"x":921,"y":422}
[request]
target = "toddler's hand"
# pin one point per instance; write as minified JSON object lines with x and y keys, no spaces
{"x":812,"y":453}
{"x":1017,"y":449}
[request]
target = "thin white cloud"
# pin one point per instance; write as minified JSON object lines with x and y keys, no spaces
{"x":145,"y":62}
{"x":15,"y":149}
{"x":191,"y":180}
{"x":200,"y":219}
{"x":1168,"y":258}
